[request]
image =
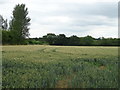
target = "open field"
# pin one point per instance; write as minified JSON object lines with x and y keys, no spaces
{"x":36,"y":66}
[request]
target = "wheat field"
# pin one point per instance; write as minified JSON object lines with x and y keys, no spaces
{"x":44,"y":66}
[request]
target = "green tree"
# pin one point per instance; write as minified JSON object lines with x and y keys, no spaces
{"x":19,"y":24}
{"x":50,"y":38}
{"x":6,"y":37}
{"x":88,"y":40}
{"x":61,"y":39}
{"x":74,"y":40}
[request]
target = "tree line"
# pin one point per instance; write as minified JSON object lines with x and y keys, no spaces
{"x":61,"y":39}
{"x":18,"y":33}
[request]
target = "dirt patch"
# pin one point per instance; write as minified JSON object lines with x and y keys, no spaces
{"x":62,"y":84}
{"x":102,"y":67}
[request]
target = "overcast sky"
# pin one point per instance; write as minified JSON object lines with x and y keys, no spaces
{"x":98,"y":18}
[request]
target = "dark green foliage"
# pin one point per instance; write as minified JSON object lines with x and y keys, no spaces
{"x":50,"y":38}
{"x":61,"y":39}
{"x":6,"y":37}
{"x":19,"y":24}
{"x":87,"y":41}
{"x":74,"y":40}
{"x":36,"y":42}
{"x":109,"y":41}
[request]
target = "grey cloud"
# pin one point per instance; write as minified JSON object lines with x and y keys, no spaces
{"x":83,"y":16}
{"x":88,"y":13}
{"x":2,"y":2}
{"x":105,"y":9}
{"x":76,"y":11}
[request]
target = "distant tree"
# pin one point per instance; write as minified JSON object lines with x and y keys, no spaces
{"x":61,"y":39}
{"x":74,"y":40}
{"x":88,"y":40}
{"x":109,"y":41}
{"x":3,"y":23}
{"x":50,"y":38}
{"x":19,"y":24}
{"x":103,"y":41}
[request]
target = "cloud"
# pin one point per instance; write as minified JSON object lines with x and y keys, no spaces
{"x":93,"y":17}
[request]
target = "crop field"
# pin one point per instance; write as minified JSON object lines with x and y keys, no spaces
{"x":44,"y":66}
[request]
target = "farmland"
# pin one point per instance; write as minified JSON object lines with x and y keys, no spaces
{"x":44,"y":66}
